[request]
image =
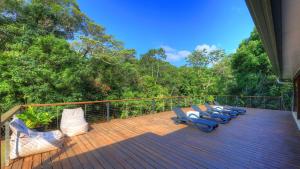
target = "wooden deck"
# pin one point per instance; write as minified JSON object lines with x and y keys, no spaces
{"x":260,"y":139}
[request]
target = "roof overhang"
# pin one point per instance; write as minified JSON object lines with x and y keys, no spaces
{"x":278,"y":23}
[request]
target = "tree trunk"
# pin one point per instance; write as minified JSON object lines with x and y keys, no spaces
{"x":157,"y":72}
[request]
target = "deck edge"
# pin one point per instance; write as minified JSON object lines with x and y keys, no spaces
{"x":296,"y":120}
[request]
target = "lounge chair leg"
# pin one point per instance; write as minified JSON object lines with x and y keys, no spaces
{"x":205,"y":129}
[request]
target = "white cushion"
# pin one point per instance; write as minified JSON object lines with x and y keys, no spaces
{"x":218,"y":107}
{"x":73,"y":122}
{"x":193,"y":114}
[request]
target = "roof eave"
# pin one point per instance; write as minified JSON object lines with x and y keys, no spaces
{"x":269,"y":29}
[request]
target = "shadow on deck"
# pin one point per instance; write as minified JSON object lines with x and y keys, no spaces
{"x":260,"y":139}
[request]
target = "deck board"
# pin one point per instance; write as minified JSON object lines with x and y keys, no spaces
{"x":55,"y":159}
{"x":260,"y":139}
{"x":27,"y":162}
{"x":155,"y":152}
{"x":71,"y":155}
{"x":89,"y":156}
{"x":36,"y":161}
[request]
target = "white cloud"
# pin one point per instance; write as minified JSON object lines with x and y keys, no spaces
{"x":168,"y":48}
{"x":174,"y":55}
{"x":208,"y":48}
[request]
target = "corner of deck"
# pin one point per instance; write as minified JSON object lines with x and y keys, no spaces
{"x":297,"y":121}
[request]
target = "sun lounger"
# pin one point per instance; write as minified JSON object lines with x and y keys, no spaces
{"x":219,"y":117}
{"x":233,"y":114}
{"x":239,"y":110}
{"x":203,"y":124}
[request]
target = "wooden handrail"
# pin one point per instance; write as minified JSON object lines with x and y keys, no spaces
{"x":14,"y":110}
{"x":6,"y":116}
{"x":102,"y":101}
{"x":245,"y":96}
{"x":134,"y":99}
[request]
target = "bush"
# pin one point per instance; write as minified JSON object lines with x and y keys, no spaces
{"x":34,"y":119}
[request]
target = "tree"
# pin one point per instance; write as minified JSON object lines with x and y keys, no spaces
{"x":48,"y":71}
{"x":203,"y":58}
{"x":153,"y":58}
{"x":37,"y":63}
{"x":253,"y":70}
{"x":224,"y":76}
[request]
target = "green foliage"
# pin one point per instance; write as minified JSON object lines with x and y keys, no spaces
{"x":52,"y":52}
{"x":48,"y":71}
{"x":33,"y":119}
{"x":210,"y":99}
{"x":202,"y":58}
{"x":224,"y":77}
{"x":253,"y":71}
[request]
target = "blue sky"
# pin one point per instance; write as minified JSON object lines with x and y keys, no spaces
{"x":179,"y":26}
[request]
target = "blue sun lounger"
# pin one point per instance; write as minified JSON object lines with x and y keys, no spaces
{"x":233,"y":114}
{"x":202,"y":124}
{"x":218,"y":117}
{"x":240,"y":110}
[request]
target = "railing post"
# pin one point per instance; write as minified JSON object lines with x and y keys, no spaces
{"x":179,"y":101}
{"x":282,"y":103}
{"x":7,"y":144}
{"x":281,"y":100}
{"x":85,"y":110}
{"x":185,"y":102}
{"x":57,"y":120}
{"x":264,"y":102}
{"x":107,"y":111}
{"x":163,"y":104}
{"x":171,"y":104}
{"x":153,"y":105}
{"x":250,"y":102}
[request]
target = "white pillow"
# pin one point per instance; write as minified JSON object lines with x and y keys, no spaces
{"x":72,"y":122}
{"x":193,"y":114}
